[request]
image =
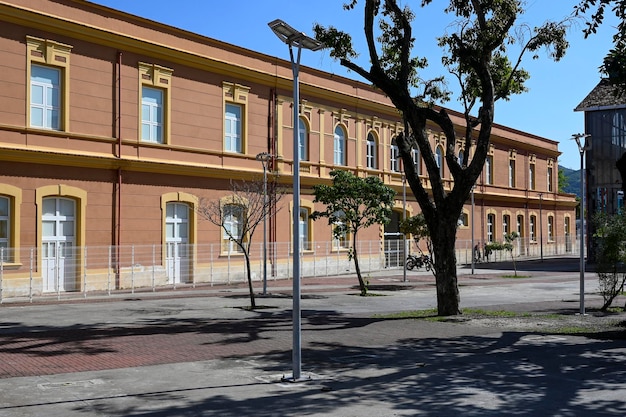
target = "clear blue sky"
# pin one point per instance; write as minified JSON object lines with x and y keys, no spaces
{"x":555,"y":89}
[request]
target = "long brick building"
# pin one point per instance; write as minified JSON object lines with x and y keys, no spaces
{"x":114,"y":127}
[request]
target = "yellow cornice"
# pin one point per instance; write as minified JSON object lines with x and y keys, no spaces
{"x":77,"y":30}
{"x":98,"y":161}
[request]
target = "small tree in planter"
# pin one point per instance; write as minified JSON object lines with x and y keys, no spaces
{"x":354,"y":203}
{"x":507,"y":245}
{"x":610,"y":238}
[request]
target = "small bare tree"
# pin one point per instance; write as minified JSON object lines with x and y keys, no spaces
{"x":239,"y":214}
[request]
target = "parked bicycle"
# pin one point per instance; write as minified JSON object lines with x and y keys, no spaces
{"x":413,"y":261}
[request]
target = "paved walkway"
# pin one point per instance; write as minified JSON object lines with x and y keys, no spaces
{"x":202,"y":353}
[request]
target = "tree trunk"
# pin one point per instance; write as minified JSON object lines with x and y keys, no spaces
{"x":249,"y":273}
{"x":444,"y":240}
{"x":362,"y":284}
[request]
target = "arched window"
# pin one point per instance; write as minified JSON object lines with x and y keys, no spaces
{"x":550,"y":228}
{"x":5,"y":227}
{"x":233,"y":221}
{"x":416,"y":160}
{"x":533,"y":222}
{"x":491,"y":222}
{"x":303,"y":143}
{"x":489,"y":169}
{"x":339,"y":146}
{"x":506,"y":224}
{"x":370,"y":152}
{"x":305,"y":227}
{"x":394,"y":156}
{"x":439,"y":159}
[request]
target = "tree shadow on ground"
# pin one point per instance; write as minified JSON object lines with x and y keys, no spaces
{"x":513,"y":374}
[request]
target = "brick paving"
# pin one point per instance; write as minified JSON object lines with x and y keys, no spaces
{"x":41,"y":351}
{"x":90,"y":349}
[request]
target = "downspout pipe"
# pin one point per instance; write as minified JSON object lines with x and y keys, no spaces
{"x":118,"y":228}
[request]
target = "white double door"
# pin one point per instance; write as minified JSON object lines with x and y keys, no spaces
{"x":58,"y":244}
{"x":177,"y":242}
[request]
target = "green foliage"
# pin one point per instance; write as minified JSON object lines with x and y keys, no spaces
{"x":563,"y":181}
{"x":614,"y":65}
{"x":483,"y":50}
{"x":610,"y":240}
{"x":415,"y":226}
{"x":506,"y":245}
{"x":353,"y":203}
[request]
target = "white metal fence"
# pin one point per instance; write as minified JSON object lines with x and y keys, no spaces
{"x":28,"y":273}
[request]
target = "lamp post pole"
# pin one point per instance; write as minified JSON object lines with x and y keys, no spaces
{"x":540,"y":227}
{"x":299,"y":40}
{"x":582,"y":148}
{"x":473,"y":251}
{"x":404,"y":218}
{"x":264,"y":157}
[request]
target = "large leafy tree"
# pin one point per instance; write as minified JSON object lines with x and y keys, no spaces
{"x":614,"y":64}
{"x":483,"y":54}
{"x":354,"y":203}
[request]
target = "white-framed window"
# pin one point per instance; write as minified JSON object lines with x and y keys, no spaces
{"x":533,"y":222}
{"x":177,"y":222}
{"x":370,"y":151}
{"x":233,"y":222}
{"x":512,"y":173}
{"x":491,"y":221}
{"x":506,"y":221}
{"x":5,"y":227}
{"x":464,"y":219}
{"x":48,"y":67}
{"x":151,"y":114}
{"x":233,"y":128}
{"x":549,"y":179}
{"x":58,"y":219}
{"x":550,"y":228}
{"x":303,"y":142}
{"x":45,"y":97}
{"x":305,"y":239}
{"x":415,"y":153}
{"x":489,"y":170}
{"x":341,"y":242}
{"x":520,"y":225}
{"x":439,"y":159}
{"x":339,"y":148}
{"x":394,"y":156}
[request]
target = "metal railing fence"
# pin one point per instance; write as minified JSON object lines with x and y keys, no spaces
{"x":27,"y":273}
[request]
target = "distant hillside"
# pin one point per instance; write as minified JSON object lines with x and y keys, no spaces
{"x":572,"y":185}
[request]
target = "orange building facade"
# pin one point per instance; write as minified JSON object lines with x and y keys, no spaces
{"x":113,"y":128}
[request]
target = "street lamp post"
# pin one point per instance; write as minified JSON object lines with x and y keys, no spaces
{"x":264,"y":157}
{"x":473,"y":251}
{"x":582,"y":148}
{"x":404,"y":218}
{"x":540,"y":227}
{"x":299,"y":40}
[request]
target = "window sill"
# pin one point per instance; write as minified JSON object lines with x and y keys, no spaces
{"x":11,"y":265}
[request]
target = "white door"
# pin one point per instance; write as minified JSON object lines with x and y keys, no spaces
{"x":177,"y":242}
{"x":58,"y":238}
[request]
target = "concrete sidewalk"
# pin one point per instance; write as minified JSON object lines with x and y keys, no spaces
{"x":205,"y":355}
